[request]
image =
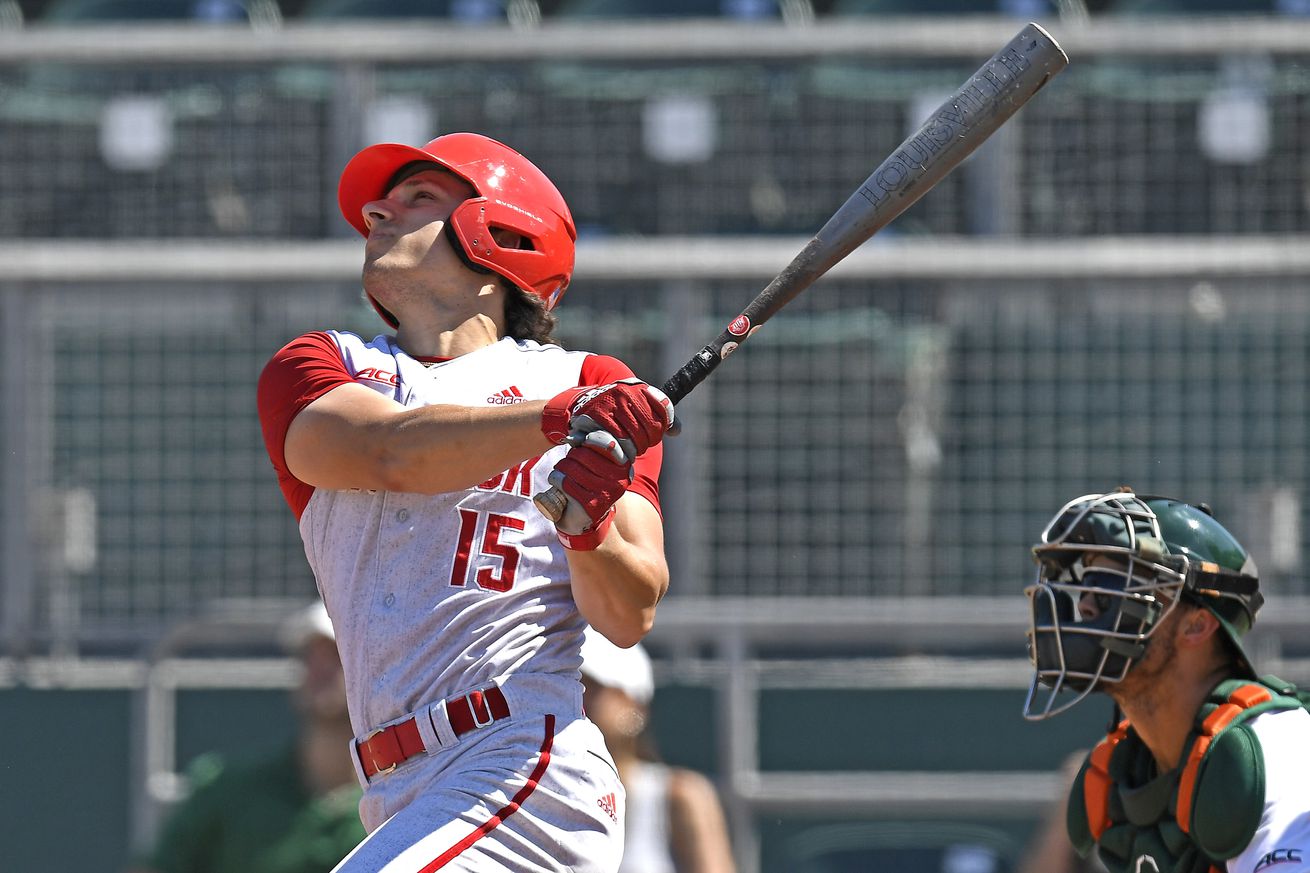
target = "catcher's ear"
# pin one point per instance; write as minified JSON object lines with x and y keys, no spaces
{"x":1198,"y":626}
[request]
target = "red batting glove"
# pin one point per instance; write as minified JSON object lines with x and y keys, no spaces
{"x":595,"y":483}
{"x":634,"y":414}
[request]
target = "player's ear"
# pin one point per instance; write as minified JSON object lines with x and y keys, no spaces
{"x":1198,"y":626}
{"x":506,"y":239}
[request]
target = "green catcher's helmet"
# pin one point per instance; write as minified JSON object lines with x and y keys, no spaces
{"x":1138,"y":555}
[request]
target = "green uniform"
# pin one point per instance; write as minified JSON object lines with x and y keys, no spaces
{"x":1218,"y":804}
{"x":257,"y":817}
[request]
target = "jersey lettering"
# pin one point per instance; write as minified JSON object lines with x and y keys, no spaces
{"x":1279,"y":856}
{"x":373,"y":374}
{"x":459,"y":568}
{"x":516,"y":480}
{"x":487,"y":577}
{"x":507,"y":552}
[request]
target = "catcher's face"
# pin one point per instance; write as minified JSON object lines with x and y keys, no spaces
{"x":1091,"y":625}
{"x":1104,"y":578}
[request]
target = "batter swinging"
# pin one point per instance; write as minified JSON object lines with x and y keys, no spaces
{"x":410,"y":461}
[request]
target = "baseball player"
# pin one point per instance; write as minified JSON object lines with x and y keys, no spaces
{"x":411,"y":460}
{"x":1146,"y":599}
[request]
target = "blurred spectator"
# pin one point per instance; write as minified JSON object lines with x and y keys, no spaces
{"x":674,"y":822}
{"x":295,"y":811}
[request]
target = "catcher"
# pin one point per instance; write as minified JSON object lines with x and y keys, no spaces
{"x":1147,"y":599}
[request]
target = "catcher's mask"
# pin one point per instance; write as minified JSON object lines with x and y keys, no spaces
{"x":1110,"y":568}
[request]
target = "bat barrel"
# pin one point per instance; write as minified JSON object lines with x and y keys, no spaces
{"x":950,"y":134}
{"x":987,"y":100}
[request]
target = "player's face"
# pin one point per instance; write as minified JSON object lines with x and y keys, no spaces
{"x":1151,"y":672}
{"x":1106,"y":573}
{"x":404,"y":226}
{"x":1100,"y":573}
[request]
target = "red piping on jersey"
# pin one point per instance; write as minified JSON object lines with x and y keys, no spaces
{"x":509,"y":809}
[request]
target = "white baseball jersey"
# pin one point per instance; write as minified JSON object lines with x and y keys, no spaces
{"x":1282,"y":840}
{"x":433,"y":597}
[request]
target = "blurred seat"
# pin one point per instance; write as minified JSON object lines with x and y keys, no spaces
{"x":471,"y":11}
{"x":924,"y":847}
{"x":1192,"y":7}
{"x":739,"y":9}
{"x":255,"y":12}
{"x":942,"y":7}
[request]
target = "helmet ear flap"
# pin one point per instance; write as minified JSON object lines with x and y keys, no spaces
{"x":541,"y":259}
{"x":453,"y":239}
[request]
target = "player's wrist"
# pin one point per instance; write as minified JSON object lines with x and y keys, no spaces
{"x":557,"y":414}
{"x":589,"y":539}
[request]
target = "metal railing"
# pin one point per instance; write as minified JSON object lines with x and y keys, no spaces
{"x":711,"y":643}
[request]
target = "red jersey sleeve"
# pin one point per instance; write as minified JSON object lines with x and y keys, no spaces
{"x":601,"y":370}
{"x":301,"y":372}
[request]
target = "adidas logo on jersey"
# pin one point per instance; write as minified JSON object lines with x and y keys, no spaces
{"x":610,"y":805}
{"x":512,"y":394}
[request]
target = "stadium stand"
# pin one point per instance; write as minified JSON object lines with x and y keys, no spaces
{"x":648,"y":9}
{"x":465,"y":11}
{"x":1022,"y":8}
{"x":255,"y":12}
{"x":1194,"y":7}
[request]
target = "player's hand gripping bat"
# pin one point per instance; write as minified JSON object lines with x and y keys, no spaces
{"x":972,"y":114}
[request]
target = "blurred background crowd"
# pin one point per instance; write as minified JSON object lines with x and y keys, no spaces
{"x":1111,"y":291}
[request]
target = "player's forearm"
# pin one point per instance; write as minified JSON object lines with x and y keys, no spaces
{"x":434,"y":449}
{"x":618,"y":586}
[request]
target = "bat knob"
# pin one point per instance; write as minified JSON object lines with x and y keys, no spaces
{"x":551,"y":503}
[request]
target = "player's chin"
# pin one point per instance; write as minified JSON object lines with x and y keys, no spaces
{"x":376,"y":247}
{"x":384,"y":262}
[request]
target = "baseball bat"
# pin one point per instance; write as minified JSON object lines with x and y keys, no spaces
{"x":1003,"y":84}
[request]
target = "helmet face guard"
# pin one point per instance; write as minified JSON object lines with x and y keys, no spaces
{"x":1111,"y":567}
{"x":1099,"y":595}
{"x":512,"y":194}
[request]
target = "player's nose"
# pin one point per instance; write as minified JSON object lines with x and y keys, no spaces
{"x":1088,"y":607}
{"x":376,"y":211}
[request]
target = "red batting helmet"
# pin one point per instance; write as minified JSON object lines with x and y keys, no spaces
{"x":511,"y":194}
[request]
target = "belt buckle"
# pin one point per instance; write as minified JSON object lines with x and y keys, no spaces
{"x":372,"y":760}
{"x":491,"y":716}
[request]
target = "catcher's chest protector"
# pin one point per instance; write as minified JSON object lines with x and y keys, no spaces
{"x":1193,"y":818}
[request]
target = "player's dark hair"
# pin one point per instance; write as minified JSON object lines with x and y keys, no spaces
{"x":526,"y":317}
